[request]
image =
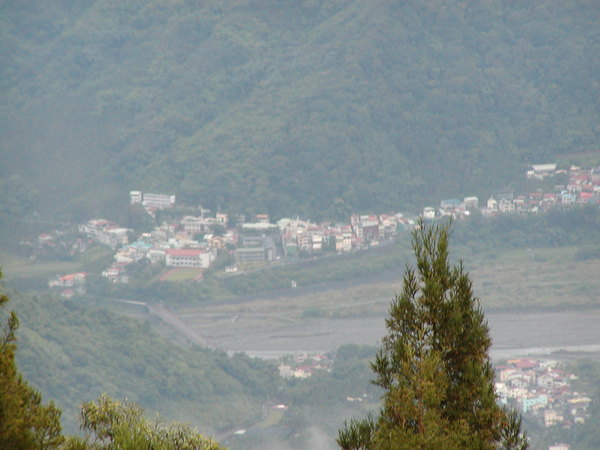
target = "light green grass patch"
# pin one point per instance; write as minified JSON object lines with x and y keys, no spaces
{"x":181,"y":274}
{"x":21,"y":268}
{"x":274,"y":416}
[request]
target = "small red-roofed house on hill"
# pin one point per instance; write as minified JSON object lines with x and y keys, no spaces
{"x":524,"y":363}
{"x":585,"y":197}
{"x":72,"y":279}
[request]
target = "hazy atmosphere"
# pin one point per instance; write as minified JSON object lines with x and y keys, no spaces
{"x":216,"y":209}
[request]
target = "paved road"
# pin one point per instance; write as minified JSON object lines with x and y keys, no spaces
{"x":169,"y":317}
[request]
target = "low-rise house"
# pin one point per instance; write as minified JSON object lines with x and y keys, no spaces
{"x":517,"y":392}
{"x":501,"y":389}
{"x":452,"y":205}
{"x":560,"y":447}
{"x":568,"y":197}
{"x":262,"y":218}
{"x":506,"y":206}
{"x":428,"y":212}
{"x":136,"y":197}
{"x":579,"y":402}
{"x":541,"y":171}
{"x":505,"y":373}
{"x":370,"y":230}
{"x":343,"y":242}
{"x":317,"y":242}
{"x":524,"y":363}
{"x":69,"y":280}
{"x":216,"y":242}
{"x":222,"y":218}
{"x":45,"y":239}
{"x":585,"y":197}
{"x":471,"y":202}
{"x":194,"y":225}
{"x":545,"y":381}
{"x":156,"y":255}
{"x":552,"y":417}
{"x":303,"y":372}
{"x":534,"y":402}
{"x":106,"y":232}
{"x":116,"y":273}
{"x":519,"y":380}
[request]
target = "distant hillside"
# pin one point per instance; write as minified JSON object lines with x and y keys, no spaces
{"x":313,"y":107}
{"x":74,"y":352}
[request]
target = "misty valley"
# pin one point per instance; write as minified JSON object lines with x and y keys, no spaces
{"x":299,"y":225}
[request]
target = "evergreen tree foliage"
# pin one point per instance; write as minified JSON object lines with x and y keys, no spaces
{"x":25,"y":423}
{"x":434,"y":364}
{"x":109,"y":424}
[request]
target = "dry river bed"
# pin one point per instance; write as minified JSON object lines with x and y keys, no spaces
{"x":531,"y":287}
{"x":271,"y":335}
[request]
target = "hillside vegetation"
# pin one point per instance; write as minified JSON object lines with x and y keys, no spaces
{"x":314,"y":107}
{"x":73,"y":352}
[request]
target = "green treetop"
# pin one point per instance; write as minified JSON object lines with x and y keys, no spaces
{"x":25,"y":423}
{"x":121,"y":425}
{"x":434,"y":364}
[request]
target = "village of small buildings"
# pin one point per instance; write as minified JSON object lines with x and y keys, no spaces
{"x":194,"y":241}
{"x":542,"y":390}
{"x":538,"y":388}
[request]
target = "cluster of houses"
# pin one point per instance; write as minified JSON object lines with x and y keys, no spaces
{"x":363,"y":231}
{"x":541,"y":389}
{"x":304,"y":365}
{"x":57,"y":242}
{"x":582,"y":188}
{"x":193,"y":241}
{"x":70,"y":284}
{"x":105,"y":232}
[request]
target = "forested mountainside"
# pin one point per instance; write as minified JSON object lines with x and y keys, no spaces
{"x":314,"y":107}
{"x":73,"y":352}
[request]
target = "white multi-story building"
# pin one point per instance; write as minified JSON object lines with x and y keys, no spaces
{"x":193,"y":224}
{"x":136,"y":197}
{"x":158,"y":200}
{"x":188,"y":257}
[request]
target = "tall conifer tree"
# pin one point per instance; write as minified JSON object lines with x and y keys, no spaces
{"x":25,"y":423}
{"x":434,"y":363}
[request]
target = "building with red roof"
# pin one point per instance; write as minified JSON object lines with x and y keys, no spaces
{"x":188,"y":257}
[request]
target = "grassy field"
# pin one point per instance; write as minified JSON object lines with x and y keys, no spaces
{"x":180,"y":274}
{"x":14,"y":267}
{"x":19,"y":267}
{"x":503,"y":279}
{"x":274,"y":416}
{"x":21,"y":270}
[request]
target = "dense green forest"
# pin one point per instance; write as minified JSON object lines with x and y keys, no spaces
{"x":73,"y":352}
{"x":312,"y":107}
